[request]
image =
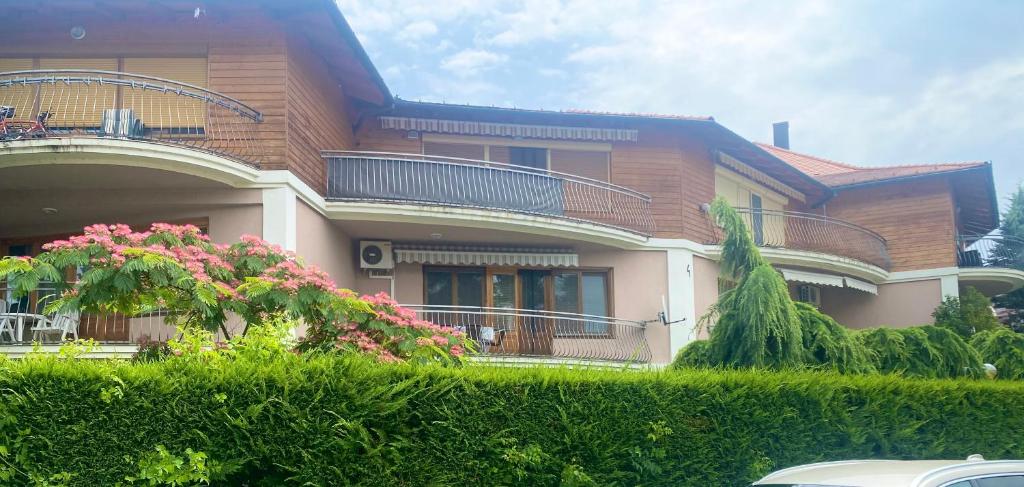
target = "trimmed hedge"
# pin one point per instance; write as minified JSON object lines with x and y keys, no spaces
{"x":330,"y":420}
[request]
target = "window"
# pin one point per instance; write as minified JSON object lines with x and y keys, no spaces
{"x":1003,"y":481}
{"x":462,"y":288}
{"x":811,"y":295}
{"x":757,"y":218}
{"x":586,"y":293}
{"x":454,"y":287}
{"x":529,"y":157}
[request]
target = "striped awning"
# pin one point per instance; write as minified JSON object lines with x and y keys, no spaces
{"x":464,"y":127}
{"x":860,"y":285}
{"x":485,"y":258}
{"x":812,"y":278}
{"x":820,"y":279}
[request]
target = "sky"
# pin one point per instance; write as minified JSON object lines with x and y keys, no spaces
{"x":863,"y":82}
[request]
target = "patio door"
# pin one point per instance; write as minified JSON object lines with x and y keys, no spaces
{"x":501,"y":332}
{"x":536,"y":333}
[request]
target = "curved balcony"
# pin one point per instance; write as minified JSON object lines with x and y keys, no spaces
{"x":446,"y":181}
{"x":508,"y":332}
{"x":813,"y":233}
{"x":994,"y":264}
{"x":42,"y":104}
{"x":990,"y":251}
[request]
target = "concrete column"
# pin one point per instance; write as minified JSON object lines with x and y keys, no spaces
{"x":681,"y":302}
{"x":279,"y":218}
{"x":950,"y":286}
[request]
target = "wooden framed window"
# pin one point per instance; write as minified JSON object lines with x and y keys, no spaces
{"x":463,"y":287}
{"x":585,"y":293}
{"x":533,"y":157}
{"x":757,"y":218}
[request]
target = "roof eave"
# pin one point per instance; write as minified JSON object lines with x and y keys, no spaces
{"x":357,"y":47}
{"x":898,"y":179}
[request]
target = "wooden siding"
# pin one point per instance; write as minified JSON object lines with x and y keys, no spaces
{"x":370,"y":137}
{"x":677,"y":172}
{"x":915,"y":218}
{"x":246,"y":56}
{"x":317,"y":115}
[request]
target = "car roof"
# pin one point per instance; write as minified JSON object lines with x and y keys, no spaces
{"x":888,"y":473}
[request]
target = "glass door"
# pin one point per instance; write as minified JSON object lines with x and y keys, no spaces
{"x":500,"y":332}
{"x":536,"y":332}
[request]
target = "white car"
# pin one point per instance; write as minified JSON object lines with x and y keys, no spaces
{"x":973,"y":472}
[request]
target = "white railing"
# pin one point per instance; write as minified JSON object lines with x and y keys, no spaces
{"x":39,"y":104}
{"x":394,"y":177}
{"x":533,"y":333}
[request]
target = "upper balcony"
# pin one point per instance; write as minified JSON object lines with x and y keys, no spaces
{"x":813,"y":236}
{"x":68,"y":103}
{"x":992,"y":263}
{"x":453,"y":182}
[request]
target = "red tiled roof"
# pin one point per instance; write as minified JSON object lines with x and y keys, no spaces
{"x":837,"y":174}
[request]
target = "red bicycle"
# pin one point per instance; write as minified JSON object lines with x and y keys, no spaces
{"x":13,"y":129}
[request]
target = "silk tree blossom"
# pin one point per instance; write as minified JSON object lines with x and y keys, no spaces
{"x":199,"y":283}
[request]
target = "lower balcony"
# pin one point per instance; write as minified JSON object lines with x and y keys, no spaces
{"x":498,"y":332}
{"x":452,"y":182}
{"x":814,"y":234}
{"x":509,"y":332}
{"x":24,"y":322}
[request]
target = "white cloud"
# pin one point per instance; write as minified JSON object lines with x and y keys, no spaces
{"x":856,"y":86}
{"x":416,"y":31}
{"x":470,"y":62}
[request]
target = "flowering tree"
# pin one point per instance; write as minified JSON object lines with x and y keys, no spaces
{"x":175,"y":268}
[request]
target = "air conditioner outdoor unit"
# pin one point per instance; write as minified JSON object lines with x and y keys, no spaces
{"x":376,"y":254}
{"x":809,"y":294}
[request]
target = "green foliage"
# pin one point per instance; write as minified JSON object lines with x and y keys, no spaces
{"x":829,"y":345}
{"x":1009,"y":253}
{"x":1003,"y":348}
{"x":966,"y":315}
{"x":758,"y":325}
{"x":922,"y":351}
{"x":695,"y":354}
{"x":161,"y":467}
{"x":325,"y":419}
{"x":739,"y":252}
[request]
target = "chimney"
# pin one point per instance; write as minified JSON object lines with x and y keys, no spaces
{"x":781,"y":132}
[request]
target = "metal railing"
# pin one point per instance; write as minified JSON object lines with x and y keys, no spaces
{"x":532,"y":333}
{"x":93,"y":103}
{"x":990,"y":251}
{"x":24,"y":320}
{"x":812,"y":233}
{"x":393,"y":177}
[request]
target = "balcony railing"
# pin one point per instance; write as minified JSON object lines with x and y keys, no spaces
{"x":90,"y":103}
{"x":379,"y":176}
{"x":24,"y":320}
{"x":990,"y":251}
{"x":813,"y":233}
{"x":544,"y":334}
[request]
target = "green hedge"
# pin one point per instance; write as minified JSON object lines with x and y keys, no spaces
{"x":343,"y":421}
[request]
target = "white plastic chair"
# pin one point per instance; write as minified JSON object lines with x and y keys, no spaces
{"x":6,"y":322}
{"x":63,"y":323}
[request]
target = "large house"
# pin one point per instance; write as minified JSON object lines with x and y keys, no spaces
{"x":573,"y":234}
